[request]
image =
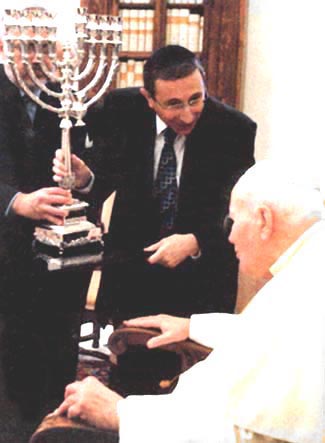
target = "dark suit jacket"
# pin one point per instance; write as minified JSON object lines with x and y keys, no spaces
{"x":217,"y":152}
{"x":37,"y":359}
{"x":26,"y":154}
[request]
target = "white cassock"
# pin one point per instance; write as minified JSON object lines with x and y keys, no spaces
{"x":266,"y":372}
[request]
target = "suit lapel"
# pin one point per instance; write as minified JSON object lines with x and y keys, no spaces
{"x":148,"y":143}
{"x":194,"y":147}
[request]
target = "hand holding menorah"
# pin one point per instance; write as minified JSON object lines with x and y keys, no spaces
{"x":79,"y":56}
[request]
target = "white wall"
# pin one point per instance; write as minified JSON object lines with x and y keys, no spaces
{"x":285,"y":77}
{"x":284,"y":89}
{"x":49,"y":4}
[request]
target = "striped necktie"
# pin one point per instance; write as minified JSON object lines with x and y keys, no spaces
{"x":165,"y":187}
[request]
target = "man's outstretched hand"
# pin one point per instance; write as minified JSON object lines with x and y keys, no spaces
{"x":79,"y":168}
{"x":43,"y":204}
{"x":92,"y":402}
{"x":173,"y":329}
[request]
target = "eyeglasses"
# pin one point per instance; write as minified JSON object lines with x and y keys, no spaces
{"x":179,"y":105}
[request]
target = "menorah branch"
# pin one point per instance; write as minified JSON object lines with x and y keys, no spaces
{"x":76,"y":66}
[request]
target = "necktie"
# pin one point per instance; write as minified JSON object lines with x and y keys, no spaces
{"x":165,"y":188}
{"x":30,"y":107}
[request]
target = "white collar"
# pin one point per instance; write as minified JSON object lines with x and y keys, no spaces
{"x":289,"y":254}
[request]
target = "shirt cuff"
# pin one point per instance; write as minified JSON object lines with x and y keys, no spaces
{"x":86,"y":189}
{"x":9,"y":211}
{"x":196,"y":256}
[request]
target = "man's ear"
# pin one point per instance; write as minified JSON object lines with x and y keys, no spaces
{"x":1,"y":50}
{"x":265,"y":217}
{"x":147,"y":96}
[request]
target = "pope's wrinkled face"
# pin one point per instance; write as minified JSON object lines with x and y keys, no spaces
{"x":179,"y":103}
{"x":245,"y":235}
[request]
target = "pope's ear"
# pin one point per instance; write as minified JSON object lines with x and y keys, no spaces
{"x":266,"y":221}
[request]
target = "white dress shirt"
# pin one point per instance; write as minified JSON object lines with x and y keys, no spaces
{"x":179,"y":148}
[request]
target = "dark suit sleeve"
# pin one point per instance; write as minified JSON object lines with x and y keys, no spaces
{"x":114,"y":155}
{"x":106,"y":159}
{"x":8,"y":182}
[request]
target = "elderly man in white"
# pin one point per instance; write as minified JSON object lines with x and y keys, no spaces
{"x":266,"y":372}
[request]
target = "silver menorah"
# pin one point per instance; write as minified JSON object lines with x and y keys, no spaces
{"x":83,"y":65}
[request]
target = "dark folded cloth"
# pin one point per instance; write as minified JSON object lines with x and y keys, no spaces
{"x":139,"y":370}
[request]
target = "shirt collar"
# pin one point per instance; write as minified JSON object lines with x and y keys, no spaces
{"x":285,"y":259}
{"x":160,"y":125}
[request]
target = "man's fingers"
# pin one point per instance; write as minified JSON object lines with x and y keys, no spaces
{"x":155,"y":257}
{"x":59,"y":154}
{"x":69,"y":408}
{"x":74,"y":411}
{"x":56,"y":190}
{"x":65,"y":405}
{"x":62,"y":409}
{"x":152,"y":247}
{"x":56,"y":178}
{"x":56,"y":199}
{"x":150,"y":321}
{"x":53,"y":220}
{"x":52,"y":213}
{"x":160,"y":340}
{"x":58,"y":165}
{"x":58,"y":168}
{"x":72,"y":388}
{"x":70,"y":398}
{"x":48,"y":202}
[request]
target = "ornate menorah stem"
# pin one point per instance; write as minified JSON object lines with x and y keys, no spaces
{"x":68,"y":181}
{"x":67,"y":102}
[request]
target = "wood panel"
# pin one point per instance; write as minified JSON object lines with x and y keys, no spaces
{"x":95,"y":6}
{"x":224,"y":42}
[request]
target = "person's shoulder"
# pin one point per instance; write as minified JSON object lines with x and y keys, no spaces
{"x":217,"y":110}
{"x":126,"y":97}
{"x":3,"y":77}
{"x":123,"y":106}
{"x":7,"y":89}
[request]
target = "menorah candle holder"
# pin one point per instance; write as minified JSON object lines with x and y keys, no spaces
{"x":82,"y":61}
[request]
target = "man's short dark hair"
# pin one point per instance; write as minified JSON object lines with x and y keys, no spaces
{"x":169,"y":63}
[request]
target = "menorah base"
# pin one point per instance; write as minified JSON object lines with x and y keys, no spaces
{"x":74,"y":262}
{"x":63,"y":240}
{"x":77,"y":210}
{"x":77,"y":242}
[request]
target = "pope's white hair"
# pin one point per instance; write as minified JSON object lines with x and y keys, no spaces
{"x":285,"y":187}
